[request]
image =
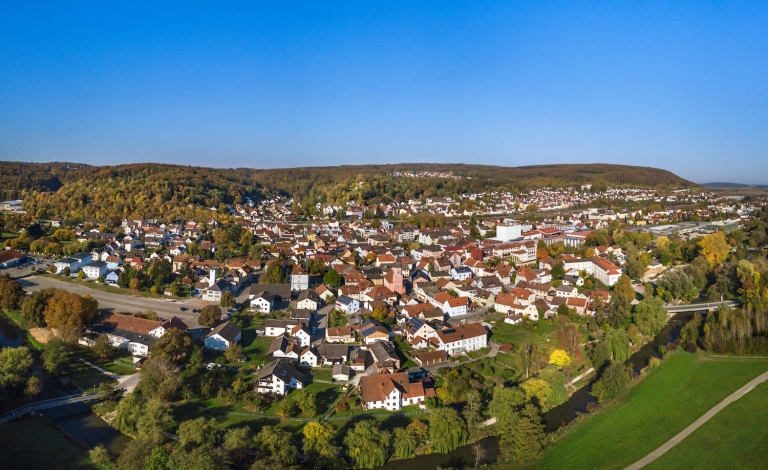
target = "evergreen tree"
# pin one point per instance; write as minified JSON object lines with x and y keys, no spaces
{"x":522,"y":439}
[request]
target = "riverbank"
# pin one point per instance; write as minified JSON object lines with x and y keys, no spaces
{"x":34,"y":443}
{"x":670,"y":398}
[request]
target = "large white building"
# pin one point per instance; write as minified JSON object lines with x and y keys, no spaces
{"x":508,"y":232}
{"x":460,"y":339}
{"x":279,"y":378}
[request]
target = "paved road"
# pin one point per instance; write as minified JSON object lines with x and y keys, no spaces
{"x":698,"y":423}
{"x":121,"y":302}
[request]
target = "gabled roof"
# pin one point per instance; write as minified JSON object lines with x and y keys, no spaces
{"x":127,"y":322}
{"x":282,"y":371}
{"x":226,"y":330}
{"x":458,"y":333}
{"x":378,"y":387}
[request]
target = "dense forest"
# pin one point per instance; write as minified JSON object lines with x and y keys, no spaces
{"x":155,"y":190}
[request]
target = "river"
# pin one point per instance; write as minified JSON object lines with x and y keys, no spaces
{"x":76,"y":419}
{"x":463,"y":458}
{"x":84,"y":425}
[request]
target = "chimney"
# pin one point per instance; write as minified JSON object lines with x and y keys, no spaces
{"x":212,"y":277}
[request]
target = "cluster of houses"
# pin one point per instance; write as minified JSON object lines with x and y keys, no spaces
{"x":137,"y":335}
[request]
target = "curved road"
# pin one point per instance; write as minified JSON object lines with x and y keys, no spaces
{"x":698,"y":423}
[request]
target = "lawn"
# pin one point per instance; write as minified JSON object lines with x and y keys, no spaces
{"x":357,"y":411}
{"x":535,"y":333}
{"x":232,"y":413}
{"x":683,"y":388}
{"x":104,"y":287}
{"x":255,"y":347}
{"x":322,"y":374}
{"x":734,"y":438}
{"x":86,"y":377}
{"x":121,"y":365}
{"x":33,"y":443}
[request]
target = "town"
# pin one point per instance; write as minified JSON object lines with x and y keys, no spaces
{"x":354,"y":310}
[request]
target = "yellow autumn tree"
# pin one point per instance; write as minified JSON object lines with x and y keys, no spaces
{"x":560,"y":358}
{"x":662,"y":241}
{"x":714,"y":248}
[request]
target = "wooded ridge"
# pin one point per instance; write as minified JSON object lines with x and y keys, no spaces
{"x":103,"y":191}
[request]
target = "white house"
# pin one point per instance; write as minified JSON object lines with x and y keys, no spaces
{"x":461,"y":339}
{"x":74,"y":262}
{"x":223,"y":336}
{"x":299,"y":279}
{"x":95,"y":269}
{"x":309,"y":357}
{"x":347,"y":304}
{"x":455,"y":306}
{"x":279,"y":378}
{"x":390,"y":391}
{"x":460,"y":273}
{"x":262,"y":302}
{"x":308,"y":299}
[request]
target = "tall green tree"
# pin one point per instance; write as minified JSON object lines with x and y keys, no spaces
{"x":278,"y":444}
{"x":15,"y":364}
{"x":318,"y":445}
{"x":522,"y":439}
{"x":650,"y":316}
{"x":367,"y":444}
{"x":612,"y":383}
{"x":56,"y":356}
{"x":332,"y":279}
{"x":404,"y":442}
{"x":620,"y":345}
{"x":447,"y":430}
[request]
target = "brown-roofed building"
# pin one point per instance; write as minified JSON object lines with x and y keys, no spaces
{"x":461,"y":339}
{"x":428,"y":358}
{"x":390,"y":391}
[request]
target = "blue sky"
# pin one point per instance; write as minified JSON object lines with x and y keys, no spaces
{"x":676,"y":85}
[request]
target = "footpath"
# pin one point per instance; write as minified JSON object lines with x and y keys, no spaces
{"x":698,"y":423}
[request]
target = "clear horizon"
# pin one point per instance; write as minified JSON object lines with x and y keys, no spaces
{"x":672,"y":85}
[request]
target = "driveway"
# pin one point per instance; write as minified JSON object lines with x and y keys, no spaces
{"x":321,"y":322}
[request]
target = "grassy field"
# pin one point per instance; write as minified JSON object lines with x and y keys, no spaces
{"x":535,"y":333}
{"x":322,"y":374}
{"x":737,"y":437}
{"x":32,"y":443}
{"x":86,"y":377}
{"x":121,"y":365}
{"x":682,"y":389}
{"x":103,"y":287}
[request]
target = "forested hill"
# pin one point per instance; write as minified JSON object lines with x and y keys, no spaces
{"x":156,"y":190}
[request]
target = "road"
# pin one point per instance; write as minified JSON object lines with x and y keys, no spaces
{"x":121,"y":302}
{"x":698,"y":423}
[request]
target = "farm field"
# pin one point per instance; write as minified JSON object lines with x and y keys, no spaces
{"x":683,"y":388}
